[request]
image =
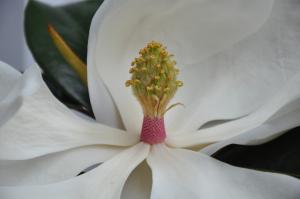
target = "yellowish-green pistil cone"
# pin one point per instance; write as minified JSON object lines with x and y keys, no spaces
{"x":154,"y":79}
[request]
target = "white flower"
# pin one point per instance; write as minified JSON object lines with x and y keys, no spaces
{"x":253,"y":86}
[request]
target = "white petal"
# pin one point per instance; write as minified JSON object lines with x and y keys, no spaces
{"x":103,"y":105}
{"x":192,"y":29}
{"x":284,"y":29}
{"x":43,"y":125}
{"x":269,"y":130}
{"x":179,"y":173}
{"x":11,"y":90}
{"x":240,"y":79}
{"x":8,"y":77}
{"x":269,"y":110}
{"x":54,"y":167}
{"x":138,"y":184}
{"x":103,"y":182}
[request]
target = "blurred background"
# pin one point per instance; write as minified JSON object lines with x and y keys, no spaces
{"x":13,"y":48}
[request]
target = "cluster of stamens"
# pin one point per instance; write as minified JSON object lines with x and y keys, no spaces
{"x":154,"y":79}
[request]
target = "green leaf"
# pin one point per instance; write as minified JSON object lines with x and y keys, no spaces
{"x":72,"y":22}
{"x":281,"y":155}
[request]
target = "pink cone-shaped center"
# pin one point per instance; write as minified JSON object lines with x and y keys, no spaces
{"x":153,"y":130}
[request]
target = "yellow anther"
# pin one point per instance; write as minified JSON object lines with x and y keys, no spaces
{"x":149,"y":88}
{"x":128,"y":83}
{"x":136,"y":81}
{"x":144,"y":69}
{"x":164,"y":53}
{"x":162,"y":71}
{"x":166,"y":89}
{"x":151,"y":44}
{"x":170,"y":65}
{"x":132,"y":70}
{"x":145,"y":50}
{"x":139,"y":60}
{"x":156,"y":77}
{"x":179,"y":83}
{"x":158,"y":66}
{"x":158,"y":88}
{"x":170,"y":77}
{"x":142,"y":51}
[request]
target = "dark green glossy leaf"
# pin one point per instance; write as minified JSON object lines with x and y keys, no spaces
{"x":281,"y":155}
{"x":72,"y":22}
{"x":59,"y":93}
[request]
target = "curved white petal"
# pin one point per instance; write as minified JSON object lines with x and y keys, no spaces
{"x":240,"y":79}
{"x":8,"y":78}
{"x":104,"y":182}
{"x":192,"y":29}
{"x":179,"y":173}
{"x":53,"y":167}
{"x":43,"y":125}
{"x":11,"y":90}
{"x":103,"y":105}
{"x":269,"y":130}
{"x":138,"y":184}
{"x":290,"y":93}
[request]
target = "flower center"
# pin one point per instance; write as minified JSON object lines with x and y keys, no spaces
{"x":154,"y":83}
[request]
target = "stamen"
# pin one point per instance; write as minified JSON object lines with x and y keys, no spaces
{"x":154,"y":83}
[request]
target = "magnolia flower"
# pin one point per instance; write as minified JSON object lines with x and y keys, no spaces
{"x":239,"y":64}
